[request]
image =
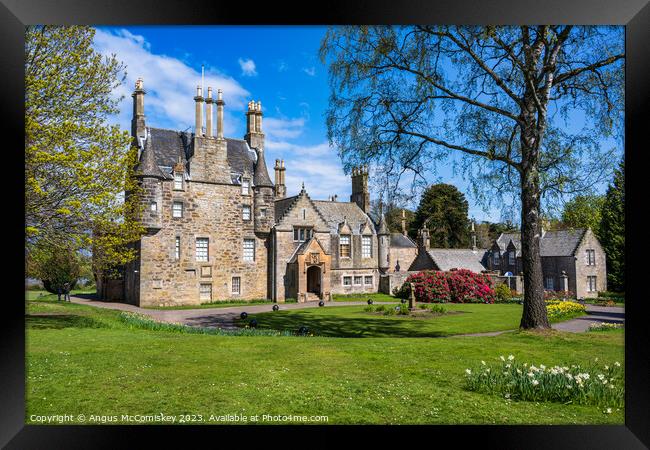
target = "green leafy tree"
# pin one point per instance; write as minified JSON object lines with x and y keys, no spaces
{"x":59,"y":268}
{"x":76,"y":163}
{"x":584,"y":211}
{"x":612,"y":231}
{"x":444,"y":209}
{"x":405,"y":98}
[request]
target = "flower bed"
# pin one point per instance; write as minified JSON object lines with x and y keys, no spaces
{"x":594,"y":385}
{"x":604,"y":326}
{"x":564,"y":309}
{"x":456,"y":286}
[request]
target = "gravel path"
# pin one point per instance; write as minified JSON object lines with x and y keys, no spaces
{"x":224,"y":317}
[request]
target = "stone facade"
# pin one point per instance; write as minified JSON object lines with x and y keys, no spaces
{"x":219,"y":229}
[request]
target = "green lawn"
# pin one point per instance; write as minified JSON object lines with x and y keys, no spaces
{"x":375,"y":297}
{"x":83,"y":360}
{"x":353,"y":321}
{"x":44,"y":295}
{"x":217,"y":304}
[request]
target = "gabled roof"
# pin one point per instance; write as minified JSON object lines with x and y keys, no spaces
{"x":303,"y":247}
{"x":458,"y":258}
{"x":336,"y":212}
{"x":552,"y":243}
{"x":398,"y":240}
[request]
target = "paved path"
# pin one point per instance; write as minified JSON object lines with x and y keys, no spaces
{"x":224,"y":317}
{"x":205,"y":317}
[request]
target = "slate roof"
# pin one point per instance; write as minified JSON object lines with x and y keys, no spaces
{"x":398,"y":240}
{"x":282,"y":205}
{"x":335,"y":212}
{"x":168,"y":145}
{"x":553,"y":243}
{"x":148,"y":166}
{"x":458,"y":258}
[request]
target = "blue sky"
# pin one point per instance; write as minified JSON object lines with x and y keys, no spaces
{"x":276,"y":65}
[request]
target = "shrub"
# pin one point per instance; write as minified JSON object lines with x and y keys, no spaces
{"x":602,"y":386}
{"x":369,"y":308}
{"x":559,"y":295}
{"x":380,"y":308}
{"x":430,"y":286}
{"x":403,"y":291}
{"x":502,"y":293}
{"x":437,"y":309}
{"x":458,"y":286}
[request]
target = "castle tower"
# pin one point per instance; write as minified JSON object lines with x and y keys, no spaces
{"x":150,"y":177}
{"x":280,"y":188}
{"x":263,"y":189}
{"x":137,"y":122}
{"x":360,"y":194}
{"x":383,"y":237}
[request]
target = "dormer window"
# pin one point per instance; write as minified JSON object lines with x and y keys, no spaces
{"x":512,"y":257}
{"x":344,"y":246}
{"x":496,"y":260}
{"x":178,"y":181}
{"x":245,"y":186}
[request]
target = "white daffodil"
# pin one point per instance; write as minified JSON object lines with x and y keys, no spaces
{"x":483,"y":362}
{"x":617,"y":364}
{"x":511,"y":357}
{"x":535,"y":382}
{"x":502,"y":358}
{"x":468,"y":371}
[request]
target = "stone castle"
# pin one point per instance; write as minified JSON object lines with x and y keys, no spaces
{"x":218,"y":228}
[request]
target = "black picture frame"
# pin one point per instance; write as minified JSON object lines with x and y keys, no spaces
{"x":634,"y":14}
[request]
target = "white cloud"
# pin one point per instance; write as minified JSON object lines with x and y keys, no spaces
{"x":311,"y":71}
{"x":169,"y":82}
{"x":247,"y":67}
{"x":283,"y":128}
{"x":282,"y":66}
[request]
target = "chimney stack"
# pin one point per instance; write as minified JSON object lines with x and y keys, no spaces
{"x":137,"y":121}
{"x":254,"y":134}
{"x":198,"y":125}
{"x":220,"y":105}
{"x":208,"y":114}
{"x":280,"y":188}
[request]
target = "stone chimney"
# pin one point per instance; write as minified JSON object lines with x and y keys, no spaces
{"x":137,"y":122}
{"x":280,"y":188}
{"x":198,"y":124}
{"x":220,"y":105}
{"x":208,"y":114}
{"x":254,"y":133}
{"x":360,"y":194}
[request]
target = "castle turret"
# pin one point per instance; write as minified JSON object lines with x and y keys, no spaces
{"x":137,"y":122}
{"x":150,"y":177}
{"x":263,"y":189}
{"x":383,"y":238}
{"x":360,"y":194}
{"x":280,"y":188}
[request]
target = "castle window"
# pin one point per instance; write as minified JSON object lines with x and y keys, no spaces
{"x":591,"y":283}
{"x":263,"y":212}
{"x":177,"y":209}
{"x":178,"y":181}
{"x":344,"y":246}
{"x":357,"y":280}
{"x":495,"y":258}
{"x":236,"y":285}
{"x":304,"y":214}
{"x":591,"y":257}
{"x":205,"y":292}
{"x":368,"y":280}
{"x":301,"y":234}
{"x":249,"y":249}
{"x":512,"y":258}
{"x":347,"y":281}
{"x":245,"y":186}
{"x":246,"y":212}
{"x":549,"y":285}
{"x":366,"y":246}
{"x":154,"y":206}
{"x":177,"y":248}
{"x":202,"y":249}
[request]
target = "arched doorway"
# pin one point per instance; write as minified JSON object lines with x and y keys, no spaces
{"x":314,"y":280}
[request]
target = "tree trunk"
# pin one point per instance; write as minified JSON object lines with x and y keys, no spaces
{"x":534,"y":315}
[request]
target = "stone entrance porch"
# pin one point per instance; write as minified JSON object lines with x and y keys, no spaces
{"x":313,"y":265}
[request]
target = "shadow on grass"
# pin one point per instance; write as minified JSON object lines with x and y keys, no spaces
{"x":60,"y":321}
{"x":337,"y":326}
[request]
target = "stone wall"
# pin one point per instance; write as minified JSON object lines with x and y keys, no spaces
{"x":213,"y":211}
{"x":582,"y":269}
{"x":388,"y":282}
{"x":405,"y":256}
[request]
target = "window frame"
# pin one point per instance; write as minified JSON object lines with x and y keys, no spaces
{"x":595,"y":283}
{"x":496,"y":258}
{"x":232,"y":285}
{"x":512,"y":258}
{"x":243,"y":212}
{"x":552,"y":283}
{"x":368,"y":239}
{"x":307,"y":233}
{"x":591,"y":257}
{"x":354,"y":280}
{"x":207,"y":249}
{"x":177,"y":248}
{"x":178,"y":178}
{"x":201,"y":291}
{"x":348,"y":237}
{"x":245,"y":257}
{"x":153,"y":207}
{"x":343,"y":278}
{"x":182,"y":208}
{"x":365,"y":279}
{"x":245,"y":186}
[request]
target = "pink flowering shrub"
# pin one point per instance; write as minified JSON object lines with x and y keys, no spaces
{"x":456,"y":286}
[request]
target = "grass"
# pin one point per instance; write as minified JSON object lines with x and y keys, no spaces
{"x":355,"y":321}
{"x":219,"y":304}
{"x":375,"y":297}
{"x":85,"y":360}
{"x":46,"y":296}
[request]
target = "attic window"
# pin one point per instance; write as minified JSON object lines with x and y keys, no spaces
{"x":495,"y":258}
{"x":245,"y":186}
{"x":344,"y":246}
{"x":512,"y":258}
{"x":178,"y":181}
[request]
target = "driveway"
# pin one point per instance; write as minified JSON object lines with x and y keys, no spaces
{"x":224,"y":317}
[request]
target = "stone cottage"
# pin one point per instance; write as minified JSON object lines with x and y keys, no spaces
{"x":218,"y":228}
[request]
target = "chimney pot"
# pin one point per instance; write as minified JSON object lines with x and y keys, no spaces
{"x":219,"y":94}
